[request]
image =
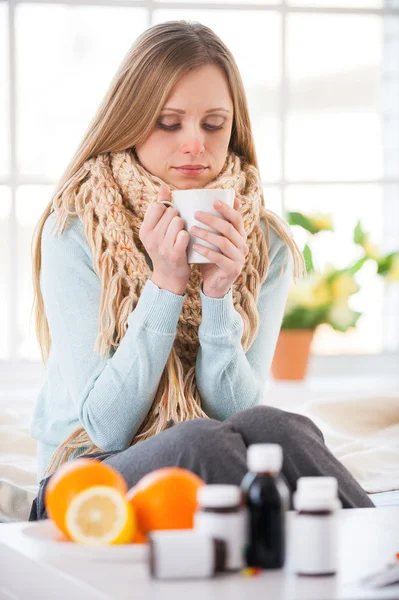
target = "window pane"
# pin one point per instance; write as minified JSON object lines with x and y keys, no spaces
{"x":347,"y":204}
{"x":5,"y":209}
{"x":272,"y":196}
{"x":4,"y":79}
{"x":347,"y":3}
{"x":343,"y":117}
{"x":260,"y":35}
{"x":31,"y":202}
{"x":67,"y":57}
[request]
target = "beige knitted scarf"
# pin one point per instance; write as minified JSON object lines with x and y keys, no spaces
{"x":110,"y":194}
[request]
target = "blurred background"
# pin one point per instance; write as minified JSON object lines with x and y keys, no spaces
{"x":322,"y":81}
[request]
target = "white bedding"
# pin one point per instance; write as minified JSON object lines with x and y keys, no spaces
{"x":363,"y":433}
{"x":18,"y":486}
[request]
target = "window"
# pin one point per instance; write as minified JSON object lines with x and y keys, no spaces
{"x":322,"y":81}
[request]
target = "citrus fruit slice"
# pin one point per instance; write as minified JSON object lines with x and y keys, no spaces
{"x":73,"y":477}
{"x":99,"y":516}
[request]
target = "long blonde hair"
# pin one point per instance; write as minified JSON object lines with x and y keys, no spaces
{"x":125,"y":118}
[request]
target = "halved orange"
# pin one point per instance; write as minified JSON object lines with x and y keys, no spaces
{"x":100,"y":515}
{"x":73,"y":477}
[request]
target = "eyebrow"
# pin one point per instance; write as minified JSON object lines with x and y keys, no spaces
{"x":183,"y":112}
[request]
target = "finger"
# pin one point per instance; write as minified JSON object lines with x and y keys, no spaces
{"x":221,"y":242}
{"x":176,"y":225}
{"x":233,"y":215}
{"x":224,"y":226}
{"x":229,"y":267}
{"x":162,"y":226}
{"x":182,"y":240}
{"x":164,"y":192}
{"x":153,"y":213}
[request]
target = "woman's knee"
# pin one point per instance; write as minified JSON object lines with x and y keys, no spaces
{"x":270,"y":424}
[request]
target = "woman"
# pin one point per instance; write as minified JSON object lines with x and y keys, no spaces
{"x":152,"y":361}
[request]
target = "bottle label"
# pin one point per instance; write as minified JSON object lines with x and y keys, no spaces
{"x":315,"y":543}
{"x":230,"y":527}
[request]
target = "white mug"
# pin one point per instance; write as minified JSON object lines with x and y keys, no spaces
{"x":187,"y":202}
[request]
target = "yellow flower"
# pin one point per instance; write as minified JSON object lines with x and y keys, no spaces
{"x":320,"y":295}
{"x":341,"y":315}
{"x":310,"y":292}
{"x":343,"y":286}
{"x":321,"y":221}
{"x":393,"y":273}
{"x":329,"y":268}
{"x":371,"y":250}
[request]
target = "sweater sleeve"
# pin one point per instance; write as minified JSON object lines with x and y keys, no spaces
{"x":112,"y":395}
{"x":230,"y":380}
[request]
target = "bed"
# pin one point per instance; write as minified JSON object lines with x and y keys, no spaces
{"x":363,"y":432}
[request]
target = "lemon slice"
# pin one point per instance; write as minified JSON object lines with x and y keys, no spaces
{"x":100,"y":515}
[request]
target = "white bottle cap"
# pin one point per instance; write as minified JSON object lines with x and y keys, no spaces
{"x":317,"y":483}
{"x":316,"y":500}
{"x":265,"y":458}
{"x":218,"y":495}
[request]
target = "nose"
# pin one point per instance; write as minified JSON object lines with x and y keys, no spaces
{"x":193,"y":144}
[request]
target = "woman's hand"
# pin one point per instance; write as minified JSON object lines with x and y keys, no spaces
{"x":163,"y":236}
{"x":227,"y":265}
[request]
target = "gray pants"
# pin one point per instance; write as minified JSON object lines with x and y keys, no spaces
{"x":216,"y":451}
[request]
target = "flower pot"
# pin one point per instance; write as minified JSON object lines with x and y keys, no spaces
{"x":292,"y":354}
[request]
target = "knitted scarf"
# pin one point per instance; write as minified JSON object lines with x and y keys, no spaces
{"x":111,"y":194}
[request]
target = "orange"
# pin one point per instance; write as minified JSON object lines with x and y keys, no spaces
{"x":100,"y":515}
{"x":73,"y":477}
{"x":165,"y":499}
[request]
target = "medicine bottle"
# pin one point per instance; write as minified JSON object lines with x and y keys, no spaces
{"x":222,"y":514}
{"x":184,"y":554}
{"x":315,"y":528}
{"x":267,"y":498}
{"x":319,"y":483}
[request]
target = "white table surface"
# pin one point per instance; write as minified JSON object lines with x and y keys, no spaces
{"x":369,"y":539}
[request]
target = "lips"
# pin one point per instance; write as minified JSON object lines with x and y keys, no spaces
{"x":191,"y":167}
{"x":190,"y":170}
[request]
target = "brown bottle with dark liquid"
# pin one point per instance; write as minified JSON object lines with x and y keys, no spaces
{"x":267,"y":498}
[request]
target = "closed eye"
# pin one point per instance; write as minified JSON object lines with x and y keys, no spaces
{"x":177,"y":126}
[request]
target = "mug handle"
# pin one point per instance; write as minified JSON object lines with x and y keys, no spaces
{"x":165,"y":202}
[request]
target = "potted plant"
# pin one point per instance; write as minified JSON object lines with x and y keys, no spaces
{"x":323,"y":296}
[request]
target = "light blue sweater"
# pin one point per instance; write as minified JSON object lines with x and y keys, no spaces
{"x":110,"y":397}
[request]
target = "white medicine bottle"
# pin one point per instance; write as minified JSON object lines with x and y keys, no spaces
{"x":315,"y":531}
{"x":222,"y":515}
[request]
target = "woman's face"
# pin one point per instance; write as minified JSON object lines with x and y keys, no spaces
{"x":197,"y":133}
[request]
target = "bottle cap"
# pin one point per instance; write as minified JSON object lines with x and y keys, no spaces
{"x":317,"y":483}
{"x":316,"y":500}
{"x":218,"y":496}
{"x":265,"y":458}
{"x":185,"y":553}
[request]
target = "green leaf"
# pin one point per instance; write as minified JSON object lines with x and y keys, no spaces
{"x":297,"y":218}
{"x":357,"y":265}
{"x":359,"y":235}
{"x":350,"y":270}
{"x":352,"y":323}
{"x":307,"y":255}
{"x":304,"y":318}
{"x":335,"y":274}
{"x":385,"y":264}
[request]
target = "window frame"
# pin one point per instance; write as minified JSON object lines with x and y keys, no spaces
{"x":385,"y":363}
